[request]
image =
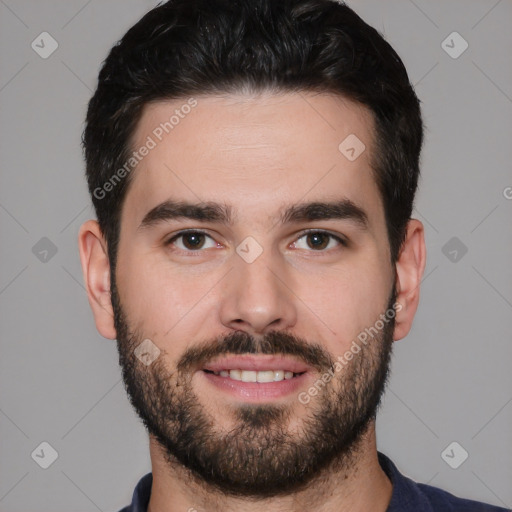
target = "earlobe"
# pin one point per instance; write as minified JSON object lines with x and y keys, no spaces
{"x":96,"y":272}
{"x":409,"y":272}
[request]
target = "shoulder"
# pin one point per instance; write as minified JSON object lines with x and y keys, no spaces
{"x":141,"y":494}
{"x":409,"y":495}
{"x":445,"y":501}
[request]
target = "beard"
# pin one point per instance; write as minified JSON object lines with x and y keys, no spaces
{"x":260,"y":456}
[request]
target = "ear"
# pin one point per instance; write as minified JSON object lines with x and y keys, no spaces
{"x":409,"y":272}
{"x":96,"y":272}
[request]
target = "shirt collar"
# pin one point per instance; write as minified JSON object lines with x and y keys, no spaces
{"x":405,"y":495}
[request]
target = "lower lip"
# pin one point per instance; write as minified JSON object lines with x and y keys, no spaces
{"x":256,"y":391}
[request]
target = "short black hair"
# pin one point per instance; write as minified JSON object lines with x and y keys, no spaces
{"x":187,"y":47}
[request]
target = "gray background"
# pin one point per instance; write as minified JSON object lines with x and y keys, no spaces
{"x":59,"y":379}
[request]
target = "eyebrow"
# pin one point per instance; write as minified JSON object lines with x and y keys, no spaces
{"x":343,"y":209}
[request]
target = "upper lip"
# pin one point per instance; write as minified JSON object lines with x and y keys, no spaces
{"x":256,"y":363}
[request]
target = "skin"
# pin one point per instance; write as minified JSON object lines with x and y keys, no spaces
{"x":256,"y":153}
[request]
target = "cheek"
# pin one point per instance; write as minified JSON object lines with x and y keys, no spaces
{"x":144,"y":289}
{"x":159,"y":298}
{"x":345,"y":302}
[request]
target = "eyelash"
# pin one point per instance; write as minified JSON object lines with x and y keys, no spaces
{"x":175,"y":237}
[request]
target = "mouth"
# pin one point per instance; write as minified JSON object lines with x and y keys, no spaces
{"x":256,"y":378}
{"x":261,"y":376}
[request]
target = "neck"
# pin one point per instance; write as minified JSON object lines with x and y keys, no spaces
{"x":363,"y":486}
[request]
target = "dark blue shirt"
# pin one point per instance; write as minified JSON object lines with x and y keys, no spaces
{"x":407,"y":496}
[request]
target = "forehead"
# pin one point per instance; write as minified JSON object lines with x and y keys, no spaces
{"x":254,"y":153}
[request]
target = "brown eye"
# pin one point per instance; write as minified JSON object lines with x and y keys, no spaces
{"x":319,"y":241}
{"x":191,"y":241}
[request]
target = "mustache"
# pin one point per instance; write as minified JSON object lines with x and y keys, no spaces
{"x":272,"y":343}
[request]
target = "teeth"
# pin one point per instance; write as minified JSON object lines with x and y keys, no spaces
{"x":248,"y":376}
{"x":268,"y":376}
{"x":235,"y":374}
{"x":254,"y":376}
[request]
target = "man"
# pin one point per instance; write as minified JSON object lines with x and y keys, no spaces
{"x":253,"y":166}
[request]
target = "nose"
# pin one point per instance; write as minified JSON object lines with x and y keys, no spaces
{"x":257,"y":296}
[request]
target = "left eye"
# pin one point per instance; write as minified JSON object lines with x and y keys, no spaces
{"x":319,"y":240}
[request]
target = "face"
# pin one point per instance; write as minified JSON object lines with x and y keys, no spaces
{"x":271,"y":277}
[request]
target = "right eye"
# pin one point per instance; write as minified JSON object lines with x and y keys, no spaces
{"x":192,"y":241}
